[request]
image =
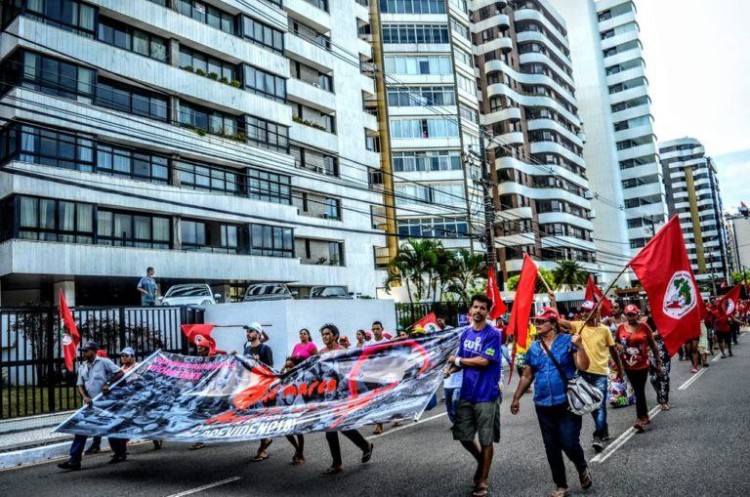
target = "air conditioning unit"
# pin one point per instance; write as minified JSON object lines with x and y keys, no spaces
{"x":592,"y":214}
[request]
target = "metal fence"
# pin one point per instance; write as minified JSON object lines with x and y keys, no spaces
{"x":34,"y":380}
{"x":408,"y":314}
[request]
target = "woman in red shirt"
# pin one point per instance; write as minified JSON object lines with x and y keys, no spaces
{"x":633,"y":339}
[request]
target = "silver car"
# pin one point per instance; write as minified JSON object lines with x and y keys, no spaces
{"x":268,"y":291}
{"x":190,"y":294}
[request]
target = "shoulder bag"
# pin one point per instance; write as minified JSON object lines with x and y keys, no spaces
{"x":583,"y":397}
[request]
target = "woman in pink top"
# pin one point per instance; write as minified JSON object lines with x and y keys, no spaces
{"x":306,"y":348}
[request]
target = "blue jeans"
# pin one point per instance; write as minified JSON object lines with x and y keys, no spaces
{"x":451,"y":400}
{"x":601,"y":429}
{"x":561,"y":432}
{"x":118,"y":446}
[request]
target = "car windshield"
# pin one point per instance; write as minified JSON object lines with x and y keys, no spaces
{"x":328,"y":291}
{"x":188,"y":291}
{"x":266,"y":290}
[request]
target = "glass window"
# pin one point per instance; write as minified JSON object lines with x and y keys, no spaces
{"x":264,"y":83}
{"x":54,"y":220}
{"x":206,"y":14}
{"x":263,"y":35}
{"x":210,"y":66}
{"x":132,"y":39}
{"x":267,"y":134}
{"x":133,"y":230}
{"x":269,"y":187}
{"x":208,"y":178}
{"x":272,"y":241}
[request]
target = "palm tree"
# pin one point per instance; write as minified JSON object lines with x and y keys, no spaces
{"x":549,"y":276}
{"x":570,"y":275}
{"x":460,"y":277}
{"x":414,"y":260}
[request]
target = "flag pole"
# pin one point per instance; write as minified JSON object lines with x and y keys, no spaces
{"x":604,"y":293}
{"x":546,"y":285}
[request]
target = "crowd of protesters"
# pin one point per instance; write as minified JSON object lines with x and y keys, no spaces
{"x":612,"y":352}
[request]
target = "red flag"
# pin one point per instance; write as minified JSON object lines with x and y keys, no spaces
{"x":493,"y":292}
{"x":595,"y":294}
{"x":518,"y":324}
{"x":664,"y":271}
{"x":729,"y":303}
{"x":429,"y":323}
{"x":191,"y":330}
{"x":72,"y":338}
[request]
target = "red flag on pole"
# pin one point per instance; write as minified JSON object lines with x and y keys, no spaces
{"x":729,"y":303}
{"x":595,"y":294}
{"x":429,"y":323}
{"x":518,"y":325}
{"x":493,"y":292}
{"x":664,"y":271}
{"x":72,"y":338}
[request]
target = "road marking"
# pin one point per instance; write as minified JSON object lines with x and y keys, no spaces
{"x":718,"y":356}
{"x":409,"y":425}
{"x":206,"y":487}
{"x":692,"y":379}
{"x":622,"y":439}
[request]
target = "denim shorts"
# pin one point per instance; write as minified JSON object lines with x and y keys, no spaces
{"x":474,"y":418}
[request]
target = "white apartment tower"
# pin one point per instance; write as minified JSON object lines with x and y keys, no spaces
{"x":433,"y":120}
{"x":219,"y":141}
{"x":621,"y":150}
{"x":530,"y":112}
{"x":693,"y":194}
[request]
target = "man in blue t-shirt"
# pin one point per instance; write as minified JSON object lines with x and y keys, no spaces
{"x":478,"y":409}
{"x":148,"y":288}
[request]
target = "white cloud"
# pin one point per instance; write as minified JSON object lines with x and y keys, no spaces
{"x":733,"y":170}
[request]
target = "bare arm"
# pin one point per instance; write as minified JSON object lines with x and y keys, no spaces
{"x":581,"y":357}
{"x":654,"y":347}
{"x":472,"y":362}
{"x":526,"y":379}
{"x":617,"y":360}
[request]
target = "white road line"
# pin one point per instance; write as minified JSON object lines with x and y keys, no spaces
{"x":408,"y":425}
{"x":718,"y":356}
{"x":692,"y":379}
{"x":622,"y":439}
{"x":206,"y":487}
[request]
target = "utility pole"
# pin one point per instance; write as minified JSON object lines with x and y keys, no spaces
{"x":489,"y":210}
{"x":711,"y":264}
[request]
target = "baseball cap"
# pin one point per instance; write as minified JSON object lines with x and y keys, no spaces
{"x":344,"y":341}
{"x":90,"y":345}
{"x":547,"y":313}
{"x":632,"y":309}
{"x":254,"y":326}
{"x":128,"y":351}
{"x":205,"y":341}
{"x":588,"y":305}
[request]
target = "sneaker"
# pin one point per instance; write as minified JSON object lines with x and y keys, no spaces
{"x":694,"y":370}
{"x":69,"y":466}
{"x":117,"y":459}
{"x":597,"y":444}
{"x":92,"y":450}
{"x":367,"y":455}
{"x":606,"y":437}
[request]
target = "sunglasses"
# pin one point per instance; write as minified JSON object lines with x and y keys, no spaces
{"x":542,"y":321}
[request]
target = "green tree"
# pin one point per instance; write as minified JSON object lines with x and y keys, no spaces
{"x":569,"y":275}
{"x":463,"y":273}
{"x":741,"y":277}
{"x":549,"y":276}
{"x":416,"y":265}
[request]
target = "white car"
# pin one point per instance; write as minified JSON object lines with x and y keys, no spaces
{"x":190,"y":294}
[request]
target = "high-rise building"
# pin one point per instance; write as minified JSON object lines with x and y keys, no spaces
{"x":738,"y":236}
{"x":694,"y":195}
{"x":621,"y":147}
{"x":433,"y":121}
{"x":220,"y":141}
{"x":530,"y":112}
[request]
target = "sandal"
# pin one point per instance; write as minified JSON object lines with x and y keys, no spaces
{"x":378,"y":429}
{"x":639,"y":426}
{"x":585,"y":478}
{"x":297,"y":460}
{"x":197,"y":445}
{"x":333,"y":470}
{"x":481,"y":491}
{"x":559,"y":493}
{"x":665,"y":406}
{"x":260,"y":456}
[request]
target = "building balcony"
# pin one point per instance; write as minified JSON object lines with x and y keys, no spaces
{"x":311,"y":94}
{"x":309,"y":13}
{"x":501,"y":21}
{"x":308,"y":52}
{"x":511,"y":114}
{"x":502,"y":43}
{"x":314,"y":137}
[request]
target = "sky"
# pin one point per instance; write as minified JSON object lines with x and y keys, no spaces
{"x":698,"y":66}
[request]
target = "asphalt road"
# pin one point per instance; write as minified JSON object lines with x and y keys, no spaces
{"x":699,"y":448}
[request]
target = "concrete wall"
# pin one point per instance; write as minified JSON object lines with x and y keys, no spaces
{"x":282,"y":320}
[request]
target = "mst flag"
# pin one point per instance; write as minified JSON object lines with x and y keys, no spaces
{"x":71,"y":337}
{"x":595,"y":294}
{"x":231,"y":398}
{"x":729,"y":303}
{"x":518,"y":325}
{"x":663,"y":268}
{"x":428,"y":323}
{"x":493,"y":292}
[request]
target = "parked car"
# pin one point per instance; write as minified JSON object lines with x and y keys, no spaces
{"x":329,"y":292}
{"x":268,"y":291}
{"x":190,"y":294}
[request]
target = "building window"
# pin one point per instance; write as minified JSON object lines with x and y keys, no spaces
{"x":209,"y":120}
{"x":433,"y":227}
{"x":207,"y":14}
{"x":316,"y":161}
{"x":415,"y":33}
{"x":421,"y":96}
{"x":269,"y":187}
{"x":267,"y":134}
{"x":118,"y":161}
{"x":265,"y":83}
{"x":271,"y":241}
{"x":263,"y":35}
{"x":47,"y":75}
{"x":412,"y":6}
{"x":207,"y":65}
{"x":406,"y":64}
{"x":131,"y":99}
{"x":122,"y":229}
{"x":438,"y":160}
{"x":332,"y":208}
{"x":132,"y":39}
{"x":51,"y":148}
{"x":469,"y":114}
{"x":67,"y":14}
{"x":336,"y":253}
{"x":207,"y":178}
{"x":55,"y":220}
{"x":460,"y":29}
{"x":423,"y":128}
{"x":309,"y":34}
{"x":209,"y":236}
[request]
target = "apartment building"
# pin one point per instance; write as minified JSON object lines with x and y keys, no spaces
{"x":621,"y":147}
{"x":433,"y":120}
{"x":694,"y":195}
{"x":530,"y":113}
{"x":220,"y":141}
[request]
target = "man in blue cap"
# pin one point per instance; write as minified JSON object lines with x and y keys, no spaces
{"x":95,"y":376}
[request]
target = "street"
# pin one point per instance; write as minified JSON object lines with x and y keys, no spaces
{"x":700,"y":447}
